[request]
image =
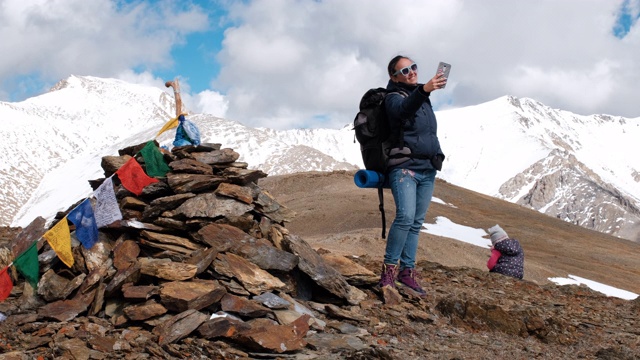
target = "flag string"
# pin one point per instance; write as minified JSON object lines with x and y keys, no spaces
{"x":167,"y":126}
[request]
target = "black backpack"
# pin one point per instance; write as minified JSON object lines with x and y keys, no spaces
{"x":373,"y":132}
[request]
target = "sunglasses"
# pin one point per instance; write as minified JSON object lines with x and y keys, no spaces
{"x":405,"y":70}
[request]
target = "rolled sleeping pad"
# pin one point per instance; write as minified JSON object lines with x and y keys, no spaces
{"x":369,"y":179}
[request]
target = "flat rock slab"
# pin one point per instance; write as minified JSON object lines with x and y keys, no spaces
{"x":179,"y":326}
{"x":312,"y":264}
{"x":352,"y":271}
{"x":27,"y":236}
{"x":243,"y":176}
{"x":268,"y":257}
{"x":99,"y":254}
{"x":191,"y":166}
{"x":243,"y":306}
{"x":202,"y":259}
{"x":336,"y":342}
{"x":242,"y":193}
{"x":180,"y":296}
{"x":222,"y":156}
{"x":144,"y":311}
{"x":210,"y":205}
{"x":66,"y":310}
{"x":225,"y":327}
{"x":222,"y":237}
{"x":167,"y":269}
{"x":276,"y":338}
{"x":139,"y":292}
{"x":193,"y":183}
{"x":125,"y":254}
{"x":254,"y":279}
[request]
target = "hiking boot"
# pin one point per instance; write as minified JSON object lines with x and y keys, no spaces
{"x":407,"y":277}
{"x":388,"y":276}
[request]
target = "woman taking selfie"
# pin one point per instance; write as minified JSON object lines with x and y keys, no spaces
{"x":411,"y":178}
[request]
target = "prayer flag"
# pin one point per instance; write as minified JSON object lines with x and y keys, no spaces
{"x":60,"y":240}
{"x":27,"y":264}
{"x":169,"y":125}
{"x":133,"y":177}
{"x":86,"y":228}
{"x":154,"y":160}
{"x":5,"y":284}
{"x":107,"y":209}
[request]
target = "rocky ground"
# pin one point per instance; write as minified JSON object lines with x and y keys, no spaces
{"x":468,"y":313}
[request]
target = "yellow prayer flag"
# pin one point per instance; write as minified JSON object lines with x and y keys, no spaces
{"x":59,"y":237}
{"x":169,"y":125}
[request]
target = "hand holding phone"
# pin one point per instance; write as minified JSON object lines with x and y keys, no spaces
{"x":444,"y":69}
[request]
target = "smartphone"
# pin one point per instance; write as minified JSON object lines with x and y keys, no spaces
{"x":444,"y":68}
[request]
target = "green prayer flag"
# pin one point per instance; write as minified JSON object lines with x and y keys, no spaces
{"x":27,"y":264}
{"x":154,"y":161}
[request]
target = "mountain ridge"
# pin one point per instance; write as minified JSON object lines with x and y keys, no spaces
{"x":504,"y":148}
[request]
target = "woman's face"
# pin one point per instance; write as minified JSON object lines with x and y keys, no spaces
{"x":408,"y":67}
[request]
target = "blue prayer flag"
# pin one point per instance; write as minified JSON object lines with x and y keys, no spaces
{"x":84,"y":220}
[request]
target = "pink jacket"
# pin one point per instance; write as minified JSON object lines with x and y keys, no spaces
{"x":495,"y":255}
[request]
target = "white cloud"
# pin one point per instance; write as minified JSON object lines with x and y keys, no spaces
{"x":50,"y":40}
{"x":143,"y":78}
{"x":211,"y":102}
{"x":292,"y":62}
{"x":318,"y":60}
{"x":567,"y":85}
{"x":302,"y":58}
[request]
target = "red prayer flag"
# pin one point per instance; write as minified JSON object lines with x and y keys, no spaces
{"x":5,"y":284}
{"x":133,"y":177}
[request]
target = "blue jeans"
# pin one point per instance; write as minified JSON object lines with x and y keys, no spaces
{"x":412,"y":193}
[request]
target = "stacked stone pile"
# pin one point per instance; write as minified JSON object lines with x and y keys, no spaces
{"x":202,"y":251}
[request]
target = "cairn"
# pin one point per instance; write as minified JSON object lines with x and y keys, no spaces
{"x":203,"y":252}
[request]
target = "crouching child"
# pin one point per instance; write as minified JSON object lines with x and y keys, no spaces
{"x":507,"y":256}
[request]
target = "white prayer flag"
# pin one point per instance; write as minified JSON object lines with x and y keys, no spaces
{"x":106,"y":210}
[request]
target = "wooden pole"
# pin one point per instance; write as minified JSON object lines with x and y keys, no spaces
{"x":176,"y":93}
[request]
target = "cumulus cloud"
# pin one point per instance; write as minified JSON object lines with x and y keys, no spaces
{"x":210,"y":102}
{"x":567,"y":86}
{"x":303,"y":63}
{"x":49,"y":40}
{"x":142,"y":78}
{"x":305,"y":60}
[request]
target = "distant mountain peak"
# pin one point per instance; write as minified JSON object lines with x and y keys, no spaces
{"x":512,"y":147}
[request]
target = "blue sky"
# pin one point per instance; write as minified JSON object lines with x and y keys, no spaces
{"x":304,"y":64}
{"x":626,"y":18}
{"x":195,"y":57}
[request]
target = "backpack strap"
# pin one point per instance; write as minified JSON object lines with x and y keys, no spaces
{"x":412,"y":156}
{"x":380,"y":187}
{"x":401,"y":139}
{"x":381,"y":207}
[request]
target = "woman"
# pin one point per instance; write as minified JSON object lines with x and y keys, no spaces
{"x":411,"y":178}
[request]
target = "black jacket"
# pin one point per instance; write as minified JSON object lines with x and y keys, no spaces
{"x":414,"y":111}
{"x":511,"y":261}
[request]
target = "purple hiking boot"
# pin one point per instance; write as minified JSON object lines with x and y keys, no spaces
{"x":407,"y":277}
{"x":388,"y":275}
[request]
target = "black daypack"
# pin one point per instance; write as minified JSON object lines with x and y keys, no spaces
{"x":373,"y":132}
{"x":373,"y":129}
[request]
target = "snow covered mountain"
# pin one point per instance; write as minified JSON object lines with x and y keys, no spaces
{"x":578,"y":168}
{"x":581,"y":169}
